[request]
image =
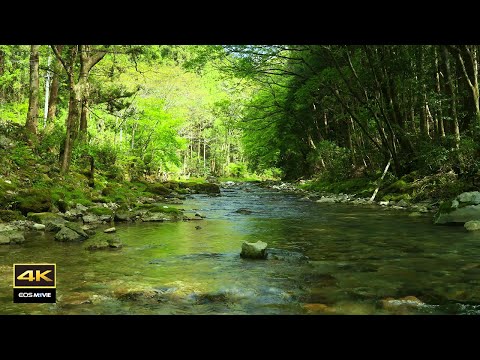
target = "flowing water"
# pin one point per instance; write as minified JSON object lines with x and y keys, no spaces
{"x":358,"y":256}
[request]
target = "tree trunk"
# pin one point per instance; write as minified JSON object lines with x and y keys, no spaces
{"x":84,"y":120}
{"x":32,"y":116}
{"x":451,"y":93}
{"x":53,"y":98}
{"x":71,"y":132}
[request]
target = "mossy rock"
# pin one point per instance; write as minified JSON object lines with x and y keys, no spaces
{"x":158,"y":189}
{"x":10,"y":215}
{"x":104,"y":241}
{"x":108,"y":190}
{"x":100,"y":211}
{"x":206,"y":188}
{"x":34,"y":200}
{"x":399,"y":186}
{"x":53,"y":222}
{"x":172,"y":185}
{"x":159,"y":208}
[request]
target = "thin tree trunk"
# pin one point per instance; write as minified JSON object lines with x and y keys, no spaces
{"x":32,"y":116}
{"x":47,"y":90}
{"x":53,"y":98}
{"x":380,"y":181}
{"x":451,"y":94}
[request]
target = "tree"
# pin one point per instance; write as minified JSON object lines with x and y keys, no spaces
{"x":32,"y":116}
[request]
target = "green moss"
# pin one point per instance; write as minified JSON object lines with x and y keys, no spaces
{"x":100,"y":211}
{"x":10,"y":215}
{"x":33,"y":200}
{"x":158,"y":189}
{"x":445,"y":207}
{"x":206,"y":188}
{"x":158,"y":208}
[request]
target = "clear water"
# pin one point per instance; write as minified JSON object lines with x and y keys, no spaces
{"x":358,"y":257}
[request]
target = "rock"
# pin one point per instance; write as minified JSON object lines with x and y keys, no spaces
{"x":244,"y":211}
{"x":158,"y":189}
{"x":328,"y":200}
{"x":77,"y":228}
{"x":285,"y":255}
{"x":5,"y":142}
{"x":90,"y":218}
{"x":123,"y":216}
{"x":458,"y":215}
{"x":10,"y":215}
{"x":200,"y":215}
{"x":407,"y":301}
{"x":105,"y":218}
{"x":198,"y":227}
{"x":415,"y":214}
{"x":34,"y":200}
{"x":383,"y":203}
{"x":103,"y":241}
{"x":206,"y":188}
{"x":68,"y":235}
{"x":39,"y":226}
{"x":110,"y":230}
{"x":254,"y":250}
{"x":473,"y":197}
{"x":402,"y":203}
{"x":11,"y":237}
{"x":318,"y":308}
{"x":81,"y":208}
{"x":52,"y":222}
{"x":455,"y":204}
{"x":472,"y":225}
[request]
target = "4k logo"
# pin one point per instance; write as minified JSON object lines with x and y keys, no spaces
{"x":34,"y":283}
{"x":34,"y":275}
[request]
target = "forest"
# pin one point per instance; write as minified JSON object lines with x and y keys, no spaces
{"x":97,"y":135}
{"x":278,"y":111}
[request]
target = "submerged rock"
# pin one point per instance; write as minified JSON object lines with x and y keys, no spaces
{"x":319,"y":309}
{"x":405,"y":302}
{"x":110,"y":230}
{"x":254,"y":250}
{"x":244,"y":211}
{"x":104,"y":241}
{"x":472,"y":225}
{"x":285,"y":255}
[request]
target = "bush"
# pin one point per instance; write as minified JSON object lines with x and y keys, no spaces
{"x":236,"y":170}
{"x":337,"y":161}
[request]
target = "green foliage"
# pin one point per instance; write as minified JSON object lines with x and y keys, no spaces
{"x":100,"y":211}
{"x":237,"y":170}
{"x":336,"y":159}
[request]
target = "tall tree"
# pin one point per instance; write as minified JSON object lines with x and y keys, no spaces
{"x":32,"y":116}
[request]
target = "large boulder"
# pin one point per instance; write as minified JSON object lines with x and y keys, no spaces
{"x":254,"y":250}
{"x":206,"y":188}
{"x":10,"y":215}
{"x":66,"y":234}
{"x":11,"y":237}
{"x":465,"y":207}
{"x":52,"y":222}
{"x":34,"y":200}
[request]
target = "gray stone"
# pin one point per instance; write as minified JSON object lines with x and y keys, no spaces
{"x":402,"y":203}
{"x":103,"y":241}
{"x":77,"y":228}
{"x":285,"y":255}
{"x":472,"y":197}
{"x":326,"y":200}
{"x":472,"y":225}
{"x":105,"y":218}
{"x":254,"y":250}
{"x":52,"y":222}
{"x":109,"y":230}
{"x":459,"y":215}
{"x":155,"y":217}
{"x":39,"y":226}
{"x":90,"y":218}
{"x":383,"y":203}
{"x":81,"y":208}
{"x":67,"y":235}
{"x":11,"y":237}
{"x":123,"y":216}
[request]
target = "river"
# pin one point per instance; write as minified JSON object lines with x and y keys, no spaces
{"x":358,"y":256}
